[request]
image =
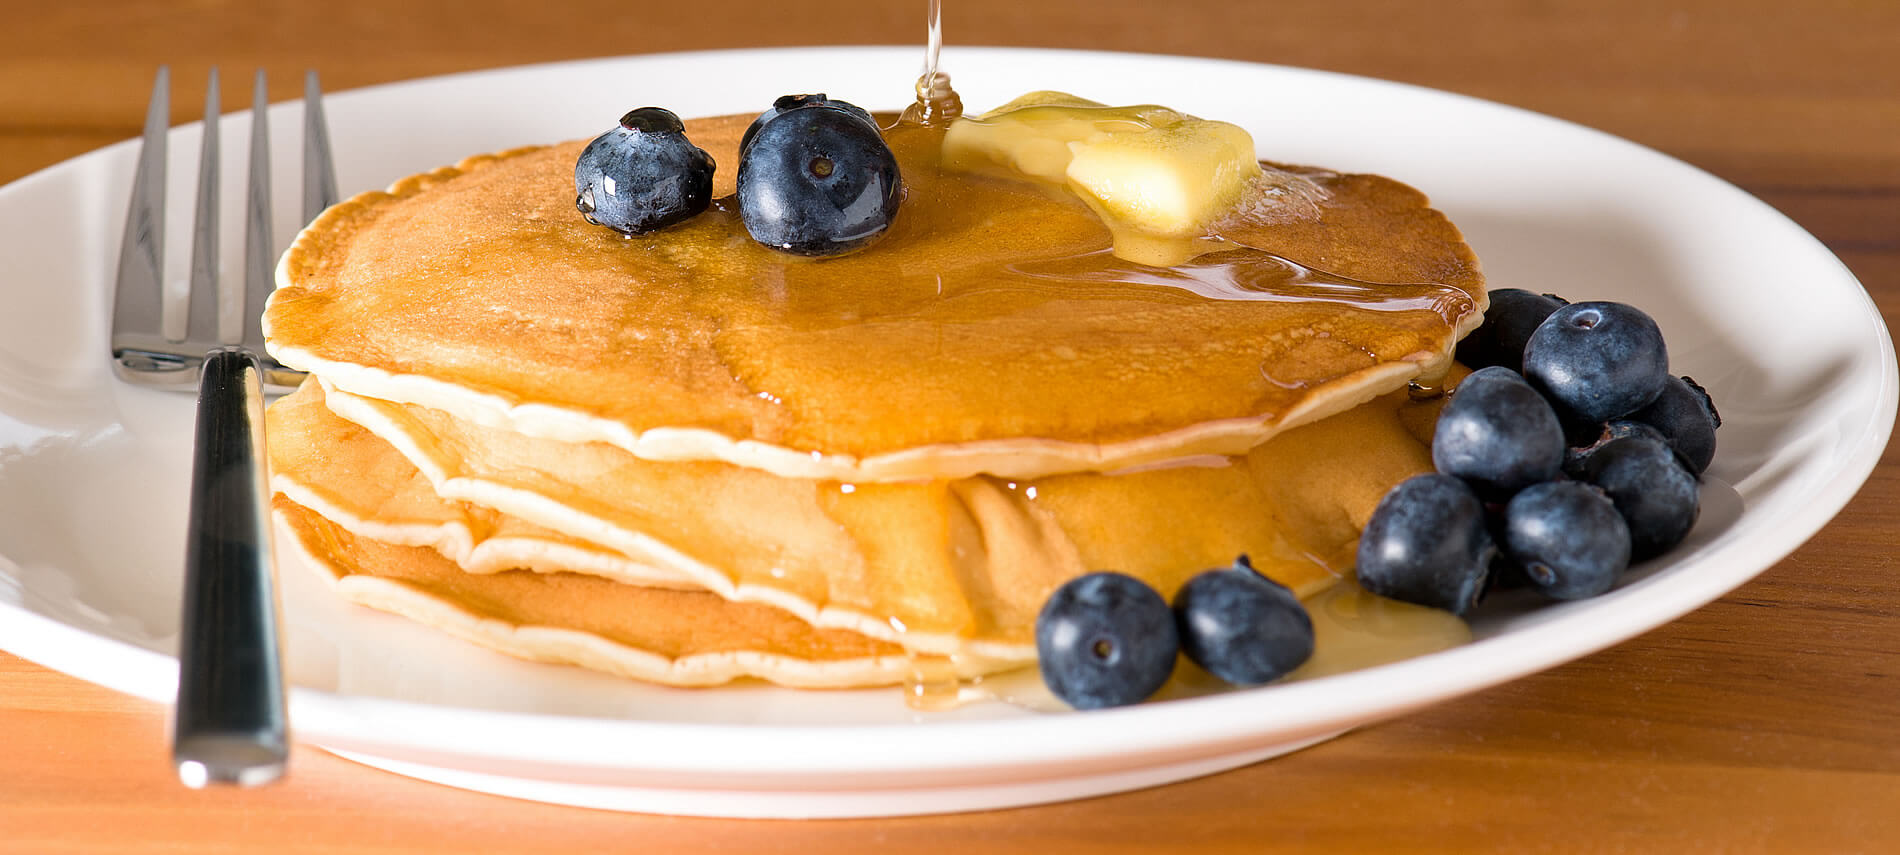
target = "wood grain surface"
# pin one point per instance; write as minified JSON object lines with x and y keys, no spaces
{"x":1768,"y":721}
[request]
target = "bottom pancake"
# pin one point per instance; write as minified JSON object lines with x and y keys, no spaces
{"x":676,"y":638}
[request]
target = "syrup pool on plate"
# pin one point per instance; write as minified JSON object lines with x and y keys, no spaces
{"x":1352,"y":630}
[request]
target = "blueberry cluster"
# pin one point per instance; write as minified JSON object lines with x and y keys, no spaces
{"x":815,"y":176}
{"x":1569,"y":453}
{"x":1108,"y":639}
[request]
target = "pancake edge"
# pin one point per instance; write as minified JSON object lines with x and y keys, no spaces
{"x":559,"y":645}
{"x":1015,"y":457}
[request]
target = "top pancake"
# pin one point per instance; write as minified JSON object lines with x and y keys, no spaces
{"x":990,"y":331}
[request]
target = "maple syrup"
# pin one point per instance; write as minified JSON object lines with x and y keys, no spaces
{"x":931,"y":683}
{"x":1352,"y":630}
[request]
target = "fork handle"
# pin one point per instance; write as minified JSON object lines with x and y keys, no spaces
{"x":229,"y":724}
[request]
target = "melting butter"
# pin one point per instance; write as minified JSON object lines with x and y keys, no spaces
{"x":1159,"y":179}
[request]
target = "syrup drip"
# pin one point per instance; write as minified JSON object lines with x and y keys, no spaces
{"x":931,"y":683}
{"x":937,"y":104}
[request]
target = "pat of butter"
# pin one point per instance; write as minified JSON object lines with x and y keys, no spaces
{"x":1156,"y":176}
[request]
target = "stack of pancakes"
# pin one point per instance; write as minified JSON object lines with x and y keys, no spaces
{"x":686,"y":458}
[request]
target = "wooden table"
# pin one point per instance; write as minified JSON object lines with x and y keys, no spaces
{"x":1767,"y":721}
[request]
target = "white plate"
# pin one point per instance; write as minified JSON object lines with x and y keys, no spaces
{"x":93,"y":473}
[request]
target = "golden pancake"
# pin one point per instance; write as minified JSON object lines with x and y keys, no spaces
{"x":680,"y":638}
{"x":957,"y":568}
{"x":991,"y":331}
{"x":358,"y":482}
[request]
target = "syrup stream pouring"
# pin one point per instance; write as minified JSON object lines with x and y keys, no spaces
{"x":936,"y":102}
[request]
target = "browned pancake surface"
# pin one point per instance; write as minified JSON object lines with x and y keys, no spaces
{"x":992,"y":311}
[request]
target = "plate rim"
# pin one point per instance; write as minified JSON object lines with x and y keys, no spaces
{"x":573,"y":740}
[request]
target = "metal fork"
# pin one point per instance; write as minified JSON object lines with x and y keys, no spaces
{"x":229,"y":723}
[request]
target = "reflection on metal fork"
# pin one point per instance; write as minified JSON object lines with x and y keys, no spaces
{"x":229,"y":722}
{"x":143,"y":350}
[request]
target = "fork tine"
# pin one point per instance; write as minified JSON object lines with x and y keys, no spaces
{"x":258,"y":258}
{"x":202,"y":323}
{"x":319,"y":172}
{"x":137,"y":303}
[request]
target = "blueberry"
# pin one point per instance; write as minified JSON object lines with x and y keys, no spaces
{"x":817,"y":179}
{"x":643,"y":175}
{"x":1686,"y":417}
{"x":1656,"y":495}
{"x":1241,"y":626}
{"x":1578,"y":455}
{"x":1508,"y":323}
{"x":1105,"y":639}
{"x":1427,"y":544}
{"x":1568,"y":537}
{"x":788,"y":103}
{"x":1497,"y":433}
{"x":1597,"y":360}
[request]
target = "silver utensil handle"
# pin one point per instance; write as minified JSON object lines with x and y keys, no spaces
{"x":229,"y":723}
